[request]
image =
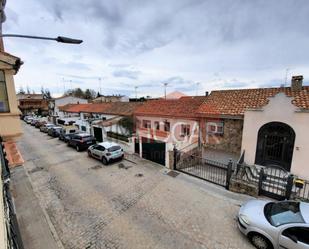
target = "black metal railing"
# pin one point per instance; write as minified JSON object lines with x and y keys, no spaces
{"x":204,"y":168}
{"x":13,"y":234}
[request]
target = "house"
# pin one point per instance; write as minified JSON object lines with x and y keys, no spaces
{"x":32,"y":103}
{"x":269,"y":125}
{"x":62,"y":101}
{"x":10,"y":130}
{"x":174,"y":95}
{"x":163,"y":124}
{"x":106,"y":121}
{"x":111,"y":98}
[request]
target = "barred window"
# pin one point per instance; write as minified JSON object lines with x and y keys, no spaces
{"x":4,"y":102}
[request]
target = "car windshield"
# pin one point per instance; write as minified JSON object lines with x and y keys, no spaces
{"x":114,"y":148}
{"x":282,"y":213}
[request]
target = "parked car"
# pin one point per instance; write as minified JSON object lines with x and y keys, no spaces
{"x":34,"y":121}
{"x":81,"y":141}
{"x":275,"y":225}
{"x":106,"y":152}
{"x":66,"y":134}
{"x":40,"y":123}
{"x":29,"y":120}
{"x":44,"y":128}
{"x":54,"y":131}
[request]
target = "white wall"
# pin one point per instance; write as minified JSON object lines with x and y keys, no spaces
{"x":67,"y":100}
{"x":279,"y":109}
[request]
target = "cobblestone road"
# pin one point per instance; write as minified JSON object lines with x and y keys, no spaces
{"x":96,"y":206}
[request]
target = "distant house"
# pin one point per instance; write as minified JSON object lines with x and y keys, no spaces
{"x":62,"y":101}
{"x":106,"y":121}
{"x":163,"y":124}
{"x":174,"y":95}
{"x":32,"y":103}
{"x":269,"y":125}
{"x":111,"y":98}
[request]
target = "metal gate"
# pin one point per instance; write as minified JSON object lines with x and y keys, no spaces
{"x":98,"y":134}
{"x":275,"y":182}
{"x":203,"y":168}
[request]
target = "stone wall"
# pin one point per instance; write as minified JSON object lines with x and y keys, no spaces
{"x":229,"y":141}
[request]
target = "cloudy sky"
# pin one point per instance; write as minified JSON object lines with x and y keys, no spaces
{"x":194,"y":45}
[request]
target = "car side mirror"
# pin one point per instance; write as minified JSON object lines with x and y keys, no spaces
{"x":292,"y":237}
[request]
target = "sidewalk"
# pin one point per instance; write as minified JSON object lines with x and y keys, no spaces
{"x":35,"y":230}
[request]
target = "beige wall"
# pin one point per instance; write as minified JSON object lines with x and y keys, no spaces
{"x":10,"y":127}
{"x":279,"y":109}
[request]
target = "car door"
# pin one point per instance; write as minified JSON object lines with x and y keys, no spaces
{"x":95,"y":152}
{"x":294,"y":237}
{"x":98,"y":151}
{"x":101,"y":150}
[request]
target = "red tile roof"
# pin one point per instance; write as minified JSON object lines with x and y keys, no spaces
{"x":184,"y":107}
{"x":112,"y":108}
{"x":235,"y":102}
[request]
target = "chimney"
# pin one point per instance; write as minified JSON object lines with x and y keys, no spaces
{"x":297,"y":83}
{"x":206,"y":93}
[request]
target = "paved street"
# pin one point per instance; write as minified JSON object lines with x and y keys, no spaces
{"x":124,"y":205}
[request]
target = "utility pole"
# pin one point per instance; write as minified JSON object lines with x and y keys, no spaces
{"x":136,"y":92}
{"x":165,"y":85}
{"x":100,"y":80}
{"x":197,"y":85}
{"x":286,"y":77}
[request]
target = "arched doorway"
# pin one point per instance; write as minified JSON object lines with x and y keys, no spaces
{"x":275,"y":145}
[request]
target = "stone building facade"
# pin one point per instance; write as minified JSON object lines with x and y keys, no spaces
{"x":228,"y":140}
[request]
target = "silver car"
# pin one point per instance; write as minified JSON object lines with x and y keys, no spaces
{"x":106,"y":152}
{"x":275,"y":225}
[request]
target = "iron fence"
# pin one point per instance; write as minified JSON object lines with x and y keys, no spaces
{"x":13,"y":234}
{"x":203,"y":168}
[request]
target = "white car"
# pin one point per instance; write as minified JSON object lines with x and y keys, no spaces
{"x":275,"y":225}
{"x":106,"y":152}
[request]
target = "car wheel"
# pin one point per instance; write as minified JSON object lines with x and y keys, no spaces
{"x":104,"y":161}
{"x":77,"y":148}
{"x":260,"y":241}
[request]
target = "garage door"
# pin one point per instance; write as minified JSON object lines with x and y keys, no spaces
{"x":153,"y":150}
{"x":98,"y":134}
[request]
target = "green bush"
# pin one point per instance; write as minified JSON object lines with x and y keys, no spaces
{"x":117,"y":136}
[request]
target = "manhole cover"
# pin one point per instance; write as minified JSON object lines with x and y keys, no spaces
{"x":173,"y":173}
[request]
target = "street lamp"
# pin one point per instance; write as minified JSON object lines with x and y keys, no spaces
{"x":61,"y":39}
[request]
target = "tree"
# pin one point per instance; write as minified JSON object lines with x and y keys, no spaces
{"x":21,"y":90}
{"x":28,"y":90}
{"x":89,"y":94}
{"x":98,"y":95}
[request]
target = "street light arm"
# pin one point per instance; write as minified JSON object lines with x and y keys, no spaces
{"x":61,"y":39}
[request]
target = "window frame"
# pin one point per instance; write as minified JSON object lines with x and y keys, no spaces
{"x":185,"y":130}
{"x":146,"y":124}
{"x":215,"y":124}
{"x":286,"y":233}
{"x":167,"y":126}
{"x":157,"y":125}
{"x":5,"y":93}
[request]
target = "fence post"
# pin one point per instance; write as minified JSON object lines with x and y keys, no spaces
{"x":229,"y":174}
{"x":261,"y":178}
{"x":289,"y":187}
{"x":175,"y":158}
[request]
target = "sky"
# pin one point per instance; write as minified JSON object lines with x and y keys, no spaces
{"x":193,"y":45}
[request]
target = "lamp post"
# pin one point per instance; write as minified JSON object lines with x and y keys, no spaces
{"x":61,"y":39}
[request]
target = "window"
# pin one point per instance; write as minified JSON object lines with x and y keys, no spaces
{"x":185,"y":130}
{"x":157,"y":125}
{"x":83,"y":128}
{"x":4,"y":102}
{"x":146,"y":124}
{"x":167,"y":126}
{"x":214,"y":127}
{"x":300,"y":233}
{"x":282,"y":213}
